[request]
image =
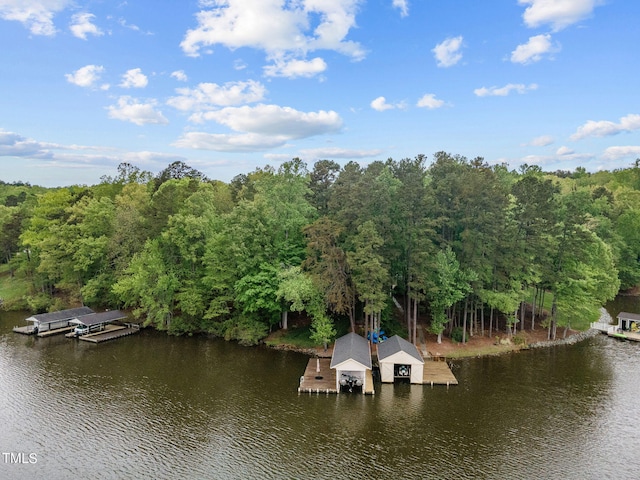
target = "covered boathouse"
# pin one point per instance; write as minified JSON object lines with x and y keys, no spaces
{"x":628,"y":322}
{"x":400,"y":360}
{"x":54,"y":322}
{"x":97,"y":321}
{"x":351,"y":360}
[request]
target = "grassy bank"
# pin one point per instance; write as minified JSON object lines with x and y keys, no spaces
{"x":12,"y":290}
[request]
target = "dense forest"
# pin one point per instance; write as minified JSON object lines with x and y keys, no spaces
{"x":454,"y":241}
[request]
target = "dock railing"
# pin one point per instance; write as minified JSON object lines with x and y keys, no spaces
{"x":604,"y":327}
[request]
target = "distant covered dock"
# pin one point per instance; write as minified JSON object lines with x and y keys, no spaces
{"x":44,"y":324}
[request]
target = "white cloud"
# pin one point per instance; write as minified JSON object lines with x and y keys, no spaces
{"x":123,"y":23}
{"x":131,"y":110}
{"x":36,"y":15}
{"x":134,"y":78}
{"x":556,"y":161}
{"x":336,"y":152}
{"x":295,"y":68}
{"x":275,"y":120}
{"x":179,"y":75}
{"x":260,"y":127}
{"x":276,"y":27}
{"x":542,"y":141}
{"x":605,"y":128}
{"x":504,"y":91}
{"x":430,"y":101}
{"x":533,"y":50}
{"x":380,"y":104}
{"x":557,"y":13}
{"x":562,"y":151}
{"x":207,"y":96}
{"x":448,"y":53}
{"x":615,"y":153}
{"x":246,"y":142}
{"x":403,"y":6}
{"x":239,"y":64}
{"x":87,"y":76}
{"x":15,"y":145}
{"x":81,"y":25}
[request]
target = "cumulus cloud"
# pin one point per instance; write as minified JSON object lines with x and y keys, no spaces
{"x":179,"y":75}
{"x":430,"y":101}
{"x":276,"y":27}
{"x":129,"y":109}
{"x":36,"y":15}
{"x":605,"y":128}
{"x":87,"y":76}
{"x":134,"y":78}
{"x":557,"y":13}
{"x":295,"y":68}
{"x":403,"y":6}
{"x":259,"y":127}
{"x":207,"y":96}
{"x":277,"y":120}
{"x":618,"y":152}
{"x":81,"y":25}
{"x":448,"y":53}
{"x":380,"y":104}
{"x":504,"y":91}
{"x":533,"y":50}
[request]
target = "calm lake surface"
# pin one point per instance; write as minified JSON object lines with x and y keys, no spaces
{"x":153,"y":406}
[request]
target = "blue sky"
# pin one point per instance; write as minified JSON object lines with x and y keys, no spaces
{"x":231,"y":85}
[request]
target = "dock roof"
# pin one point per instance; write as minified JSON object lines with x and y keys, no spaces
{"x":395,"y":345}
{"x":98,"y":318}
{"x":629,"y":316}
{"x":60,"y":316}
{"x":351,"y":347}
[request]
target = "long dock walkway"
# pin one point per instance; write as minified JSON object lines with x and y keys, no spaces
{"x":437,"y":372}
{"x":56,"y":331}
{"x":111,"y":333}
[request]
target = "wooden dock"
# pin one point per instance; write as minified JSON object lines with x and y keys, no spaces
{"x":110,"y":333}
{"x":56,"y":331}
{"x":320,"y":378}
{"x":26,"y":330}
{"x":437,"y":372}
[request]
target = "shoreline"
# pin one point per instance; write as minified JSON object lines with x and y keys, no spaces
{"x":462,"y":353}
{"x":470,"y":351}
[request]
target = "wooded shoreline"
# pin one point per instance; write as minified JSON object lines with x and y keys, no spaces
{"x":456,"y":246}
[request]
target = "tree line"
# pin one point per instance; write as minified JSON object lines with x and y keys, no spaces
{"x":456,"y":241}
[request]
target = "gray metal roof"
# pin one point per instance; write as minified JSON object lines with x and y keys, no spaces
{"x":98,"y":318}
{"x":60,"y":315}
{"x":397,"y":344}
{"x":629,"y":316}
{"x":351,"y":346}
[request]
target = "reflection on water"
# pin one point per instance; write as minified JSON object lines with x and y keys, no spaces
{"x":153,"y":406}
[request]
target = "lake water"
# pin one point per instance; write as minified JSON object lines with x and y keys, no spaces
{"x":154,"y":406}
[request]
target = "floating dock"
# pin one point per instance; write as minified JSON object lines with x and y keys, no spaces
{"x":437,"y":372}
{"x":616,"y":331}
{"x":319,"y":378}
{"x":111,"y":332}
{"x":26,"y":330}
